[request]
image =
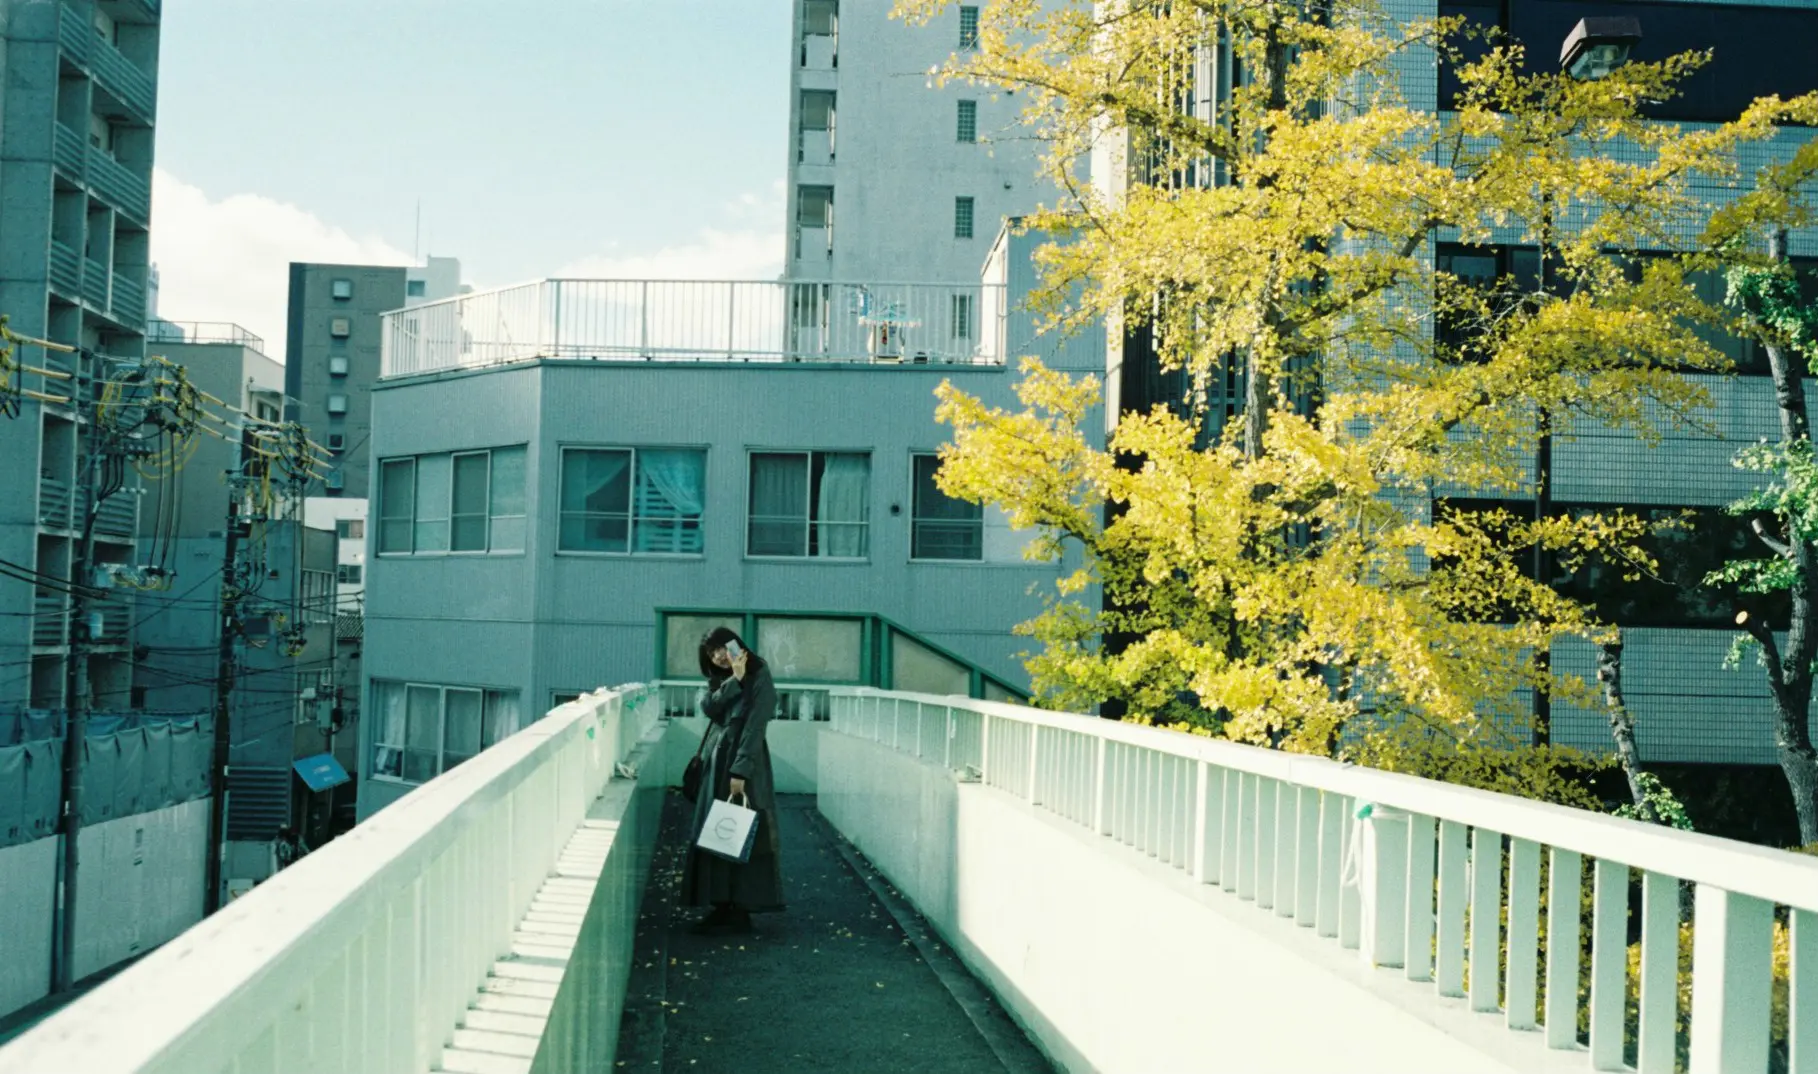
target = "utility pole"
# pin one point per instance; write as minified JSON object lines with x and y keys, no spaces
{"x":75,"y":683}
{"x":224,"y":675}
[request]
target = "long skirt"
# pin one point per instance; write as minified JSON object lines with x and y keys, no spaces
{"x":707,"y":879}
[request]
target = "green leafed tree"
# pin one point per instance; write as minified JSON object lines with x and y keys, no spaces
{"x":1281,"y":569}
{"x":1779,"y":309}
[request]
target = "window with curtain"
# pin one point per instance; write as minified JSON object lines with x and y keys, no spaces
{"x":624,"y":500}
{"x":809,"y":504}
{"x":941,"y":527}
{"x":425,"y":729}
{"x":397,"y":504}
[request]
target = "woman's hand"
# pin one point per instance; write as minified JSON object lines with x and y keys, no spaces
{"x":738,"y":664}
{"x":738,"y":788}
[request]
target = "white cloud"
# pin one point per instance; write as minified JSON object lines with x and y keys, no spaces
{"x":748,"y":247}
{"x":229,"y":260}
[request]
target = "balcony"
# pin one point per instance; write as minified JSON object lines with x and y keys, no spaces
{"x":54,"y":502}
{"x":75,"y":36}
{"x":128,"y":303}
{"x":69,"y":152}
{"x":65,"y":271}
{"x":49,"y":613}
{"x":94,"y":284}
{"x":116,"y":184}
{"x":1140,"y":900}
{"x":124,"y":80}
{"x":118,"y":516}
{"x":698,"y":321}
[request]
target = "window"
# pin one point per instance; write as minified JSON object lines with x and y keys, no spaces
{"x":265,"y":411}
{"x":469,"y":502}
{"x":558,"y":698}
{"x":397,"y":504}
{"x":968,"y":38}
{"x":809,"y":504}
{"x":337,"y":403}
{"x":626,"y":500}
{"x":962,"y":218}
{"x":941,"y":527}
{"x":1509,"y":274}
{"x":340,"y":327}
{"x":341,"y":290}
{"x":424,"y":730}
{"x":351,"y":528}
{"x":968,"y":121}
{"x":337,"y":365}
{"x":349,"y":573}
{"x":817,"y":117}
{"x":337,"y":441}
{"x":813,"y":212}
{"x":416,"y":288}
{"x":962,"y":317}
{"x":316,"y":596}
{"x":468,"y":529}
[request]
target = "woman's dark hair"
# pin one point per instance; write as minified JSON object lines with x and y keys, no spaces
{"x":715,"y":640}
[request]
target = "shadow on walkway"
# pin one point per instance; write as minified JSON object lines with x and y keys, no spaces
{"x":833,"y":984}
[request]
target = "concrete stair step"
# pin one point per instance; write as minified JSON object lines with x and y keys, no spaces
{"x":564,"y":929}
{"x":521,"y":970}
{"x":461,"y":1061}
{"x":513,"y":986}
{"x":527,"y":947}
{"x":512,"y":1004}
{"x":522,"y":1025}
{"x":495,"y":1043}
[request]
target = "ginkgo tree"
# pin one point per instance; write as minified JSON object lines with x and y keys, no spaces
{"x":1293,"y":576}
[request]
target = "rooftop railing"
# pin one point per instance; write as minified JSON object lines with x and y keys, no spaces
{"x":700,"y":320}
{"x":202,"y":332}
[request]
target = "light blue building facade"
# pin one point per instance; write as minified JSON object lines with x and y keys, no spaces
{"x":531,"y":517}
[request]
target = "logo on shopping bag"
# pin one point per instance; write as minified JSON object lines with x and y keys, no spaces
{"x":727,"y":829}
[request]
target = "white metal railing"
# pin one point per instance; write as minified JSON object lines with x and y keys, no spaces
{"x":699,"y":320}
{"x":202,"y":332}
{"x":1411,"y":874}
{"x":808,"y":703}
{"x":365,"y":954}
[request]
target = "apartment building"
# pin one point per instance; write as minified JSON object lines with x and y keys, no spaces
{"x":76,"y":129}
{"x":890,"y":179}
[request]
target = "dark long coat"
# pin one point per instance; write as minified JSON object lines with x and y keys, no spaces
{"x":739,"y":715}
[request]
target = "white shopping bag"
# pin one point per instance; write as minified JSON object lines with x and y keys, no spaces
{"x":729,"y":832}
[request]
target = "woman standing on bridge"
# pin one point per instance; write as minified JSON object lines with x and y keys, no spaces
{"x":741,"y":700}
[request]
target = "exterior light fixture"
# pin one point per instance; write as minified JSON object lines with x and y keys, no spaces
{"x":1597,"y":46}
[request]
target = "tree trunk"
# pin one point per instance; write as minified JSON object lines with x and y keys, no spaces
{"x":1790,"y":672}
{"x":1622,"y":724}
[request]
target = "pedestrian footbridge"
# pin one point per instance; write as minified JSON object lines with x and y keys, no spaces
{"x":977,"y":886}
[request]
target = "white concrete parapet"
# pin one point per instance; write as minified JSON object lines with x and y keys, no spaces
{"x":1420,"y":880}
{"x":365,"y":955}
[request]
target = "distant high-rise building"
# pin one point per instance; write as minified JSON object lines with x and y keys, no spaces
{"x":890,"y":179}
{"x":332,"y":352}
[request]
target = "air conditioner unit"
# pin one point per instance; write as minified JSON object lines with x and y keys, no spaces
{"x":337,"y":441}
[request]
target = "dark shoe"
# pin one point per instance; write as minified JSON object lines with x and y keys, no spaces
{"x":723,"y":919}
{"x":720,"y":920}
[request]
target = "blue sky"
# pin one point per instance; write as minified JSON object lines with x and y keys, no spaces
{"x":603,"y":137}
